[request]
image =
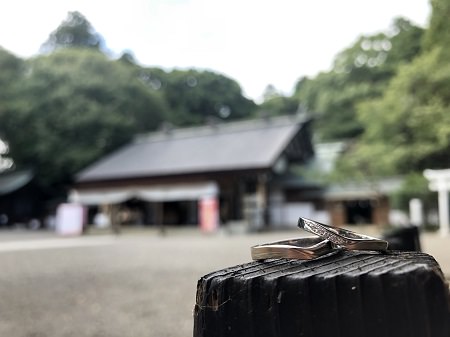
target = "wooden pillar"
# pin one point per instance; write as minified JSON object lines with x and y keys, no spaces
{"x":337,"y":213}
{"x":380,"y":211}
{"x":159,"y":216}
{"x":116,"y":225}
{"x":261,"y":198}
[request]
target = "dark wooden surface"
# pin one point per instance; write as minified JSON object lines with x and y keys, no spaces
{"x":401,"y":294}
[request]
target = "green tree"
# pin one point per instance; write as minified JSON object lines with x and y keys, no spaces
{"x":408,"y":129}
{"x":76,"y":105}
{"x":279,"y":105}
{"x":74,"y":31}
{"x":406,"y":43}
{"x":275,"y":103}
{"x":12,"y":69}
{"x":195,"y":96}
{"x":360,"y":72}
{"x":438,"y":33}
{"x":332,"y":108}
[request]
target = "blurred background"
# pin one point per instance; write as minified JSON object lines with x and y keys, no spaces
{"x":144,"y":144}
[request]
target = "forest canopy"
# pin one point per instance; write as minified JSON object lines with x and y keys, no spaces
{"x":77,"y":104}
{"x":386,"y":96}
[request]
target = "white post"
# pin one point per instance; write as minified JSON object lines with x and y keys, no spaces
{"x":443,"y":211}
{"x":440,"y":182}
{"x":416,"y":212}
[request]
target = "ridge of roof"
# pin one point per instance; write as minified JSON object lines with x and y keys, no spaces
{"x":220,"y":127}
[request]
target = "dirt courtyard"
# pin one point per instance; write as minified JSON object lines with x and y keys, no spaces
{"x":136,"y":284}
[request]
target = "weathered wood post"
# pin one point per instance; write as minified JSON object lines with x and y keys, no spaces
{"x":350,"y":293}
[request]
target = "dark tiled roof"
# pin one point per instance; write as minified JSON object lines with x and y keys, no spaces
{"x":252,"y":144}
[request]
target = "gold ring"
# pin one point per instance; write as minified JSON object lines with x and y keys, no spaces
{"x":302,"y":249}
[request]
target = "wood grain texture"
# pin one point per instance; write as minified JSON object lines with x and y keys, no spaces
{"x":343,"y":295}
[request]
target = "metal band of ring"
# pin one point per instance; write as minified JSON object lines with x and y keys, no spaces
{"x":302,"y":249}
{"x":343,"y":237}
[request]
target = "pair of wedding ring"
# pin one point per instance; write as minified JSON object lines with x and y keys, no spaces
{"x":329,"y":239}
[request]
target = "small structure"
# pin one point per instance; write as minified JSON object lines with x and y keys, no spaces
{"x":20,"y":200}
{"x":361,"y":202}
{"x":168,"y":176}
{"x":352,"y":202}
{"x":440,"y":182}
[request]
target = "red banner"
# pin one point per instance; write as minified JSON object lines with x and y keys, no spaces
{"x":208,"y":214}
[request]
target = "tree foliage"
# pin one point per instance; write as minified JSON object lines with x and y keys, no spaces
{"x":76,"y":105}
{"x":388,"y":92}
{"x":407,"y":129}
{"x":12,"y":69}
{"x":275,"y":103}
{"x":360,"y":72}
{"x":438,"y":33}
{"x":195,"y":96}
{"x":75,"y":31}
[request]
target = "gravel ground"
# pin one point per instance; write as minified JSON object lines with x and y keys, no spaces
{"x":131,"y":285}
{"x":137,"y":284}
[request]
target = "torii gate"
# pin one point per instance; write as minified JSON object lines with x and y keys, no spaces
{"x":440,"y":182}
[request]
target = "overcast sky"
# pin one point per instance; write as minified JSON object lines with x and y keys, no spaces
{"x":255,"y":42}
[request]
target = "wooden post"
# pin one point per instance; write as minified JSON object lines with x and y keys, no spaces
{"x":380,"y":211}
{"x":115,"y":221}
{"x":159,"y":216}
{"x":338,"y":216}
{"x":261,"y":199}
{"x":349,"y":294}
